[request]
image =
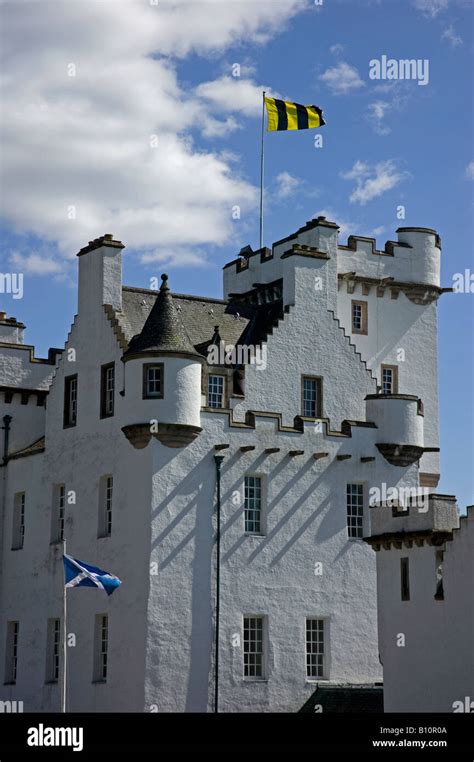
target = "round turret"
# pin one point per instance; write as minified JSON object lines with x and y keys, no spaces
{"x":426,"y":254}
{"x":162,"y":379}
{"x":399,"y":420}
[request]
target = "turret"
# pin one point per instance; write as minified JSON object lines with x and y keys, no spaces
{"x":399,"y":420}
{"x":162,"y":379}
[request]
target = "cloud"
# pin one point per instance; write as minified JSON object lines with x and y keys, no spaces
{"x":470,"y":170}
{"x":342,"y":79}
{"x":35,"y":264}
{"x":178,"y":257}
{"x":431,"y":8}
{"x":373,"y":181}
{"x":234,"y":94}
{"x":376,"y":116}
{"x":451,"y":36}
{"x":336,"y":49}
{"x":98,"y":132}
{"x":286,"y":185}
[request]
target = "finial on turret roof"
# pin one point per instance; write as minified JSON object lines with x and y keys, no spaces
{"x":164,"y":286}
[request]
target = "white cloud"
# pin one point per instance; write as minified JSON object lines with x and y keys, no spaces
{"x":177,"y":257}
{"x":234,"y":94}
{"x":342,"y":79}
{"x":451,"y":36}
{"x":376,"y":116}
{"x":35,"y":264}
{"x":377,"y":231}
{"x":112,"y":146}
{"x":373,"y":181}
{"x":336,"y":49}
{"x":431,"y":8}
{"x":286,"y":185}
{"x":470,"y":170}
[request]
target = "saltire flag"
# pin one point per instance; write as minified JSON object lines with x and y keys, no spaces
{"x":284,"y":115}
{"x":79,"y":574}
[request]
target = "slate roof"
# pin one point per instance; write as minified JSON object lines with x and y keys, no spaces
{"x":163,"y":330}
{"x":361,"y":699}
{"x":238,"y":323}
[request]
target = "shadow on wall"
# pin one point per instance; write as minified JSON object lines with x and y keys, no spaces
{"x":201,"y":494}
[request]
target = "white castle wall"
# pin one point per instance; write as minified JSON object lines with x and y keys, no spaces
{"x":434,"y":669}
{"x":161,"y":636}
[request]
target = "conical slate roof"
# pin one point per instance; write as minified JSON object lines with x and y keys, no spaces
{"x":163,"y":331}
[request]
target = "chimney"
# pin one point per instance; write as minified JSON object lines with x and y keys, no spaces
{"x":100,"y":275}
{"x":11,"y":331}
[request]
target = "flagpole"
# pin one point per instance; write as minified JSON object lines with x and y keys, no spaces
{"x":262,"y":168}
{"x":64,"y":681}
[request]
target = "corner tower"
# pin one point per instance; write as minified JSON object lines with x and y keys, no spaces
{"x":163,"y":379}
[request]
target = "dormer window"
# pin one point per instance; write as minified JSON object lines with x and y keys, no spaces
{"x":153,"y":376}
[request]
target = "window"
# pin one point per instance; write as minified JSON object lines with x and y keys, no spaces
{"x":52,"y":650}
{"x":57,"y":515}
{"x":389,"y":378}
{"x":18,"y":535}
{"x":253,"y":504}
{"x":70,"y":401}
{"x":11,"y":652}
{"x":355,"y":510}
{"x":405,"y":579}
{"x":107,"y":390}
{"x":253,"y":647}
{"x":311,"y":397}
{"x":314,"y":648}
{"x":105,"y":506}
{"x":101,"y":648}
{"x":153,"y":381}
{"x":215,"y":391}
{"x":439,"y":558}
{"x":359,"y":317}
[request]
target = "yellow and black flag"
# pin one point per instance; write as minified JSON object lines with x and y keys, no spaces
{"x":284,"y":115}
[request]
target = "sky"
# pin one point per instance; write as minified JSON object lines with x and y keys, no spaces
{"x":142,"y":118}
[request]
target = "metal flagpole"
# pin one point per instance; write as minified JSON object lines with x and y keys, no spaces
{"x":262,"y":167}
{"x":64,"y":681}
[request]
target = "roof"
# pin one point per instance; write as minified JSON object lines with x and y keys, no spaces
{"x":163,"y":330}
{"x":238,"y":323}
{"x":345,"y":698}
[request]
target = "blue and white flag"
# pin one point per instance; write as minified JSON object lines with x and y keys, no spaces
{"x":79,"y":574}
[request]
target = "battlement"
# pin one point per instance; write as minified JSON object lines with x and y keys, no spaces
{"x":412,"y":259}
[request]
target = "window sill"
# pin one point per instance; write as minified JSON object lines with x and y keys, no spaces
{"x":254,"y":534}
{"x":99,"y":682}
{"x":103,"y":536}
{"x":9,"y":682}
{"x":19,"y":548}
{"x":255,"y":679}
{"x":51,"y":682}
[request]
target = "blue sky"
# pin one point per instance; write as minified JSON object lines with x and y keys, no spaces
{"x":145,"y":133}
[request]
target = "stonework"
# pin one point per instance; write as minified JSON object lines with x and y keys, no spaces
{"x":292,"y":307}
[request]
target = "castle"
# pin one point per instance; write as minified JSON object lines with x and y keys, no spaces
{"x":232,"y":498}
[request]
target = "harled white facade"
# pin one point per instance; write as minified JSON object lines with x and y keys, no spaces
{"x":161,"y":455}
